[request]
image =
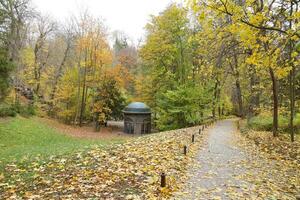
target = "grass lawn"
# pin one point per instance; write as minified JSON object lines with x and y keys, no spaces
{"x":28,"y":138}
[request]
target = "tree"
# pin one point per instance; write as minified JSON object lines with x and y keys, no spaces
{"x":68,"y":41}
{"x":165,"y":53}
{"x":125,"y":60}
{"x":13,"y":16}
{"x":109,"y":102}
{"x":6,"y":66}
{"x":93,"y":55}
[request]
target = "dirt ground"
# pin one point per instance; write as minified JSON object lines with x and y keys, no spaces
{"x":113,"y":130}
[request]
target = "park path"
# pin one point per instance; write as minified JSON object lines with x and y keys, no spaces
{"x":218,"y":164}
{"x":217,"y":161}
{"x":225,"y":170}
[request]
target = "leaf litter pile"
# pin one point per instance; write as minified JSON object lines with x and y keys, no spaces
{"x":274,"y":165}
{"x":125,"y":171}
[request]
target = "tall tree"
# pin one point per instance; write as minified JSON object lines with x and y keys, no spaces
{"x":13,"y":16}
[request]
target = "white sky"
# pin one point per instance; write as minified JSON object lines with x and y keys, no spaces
{"x":129,"y":16}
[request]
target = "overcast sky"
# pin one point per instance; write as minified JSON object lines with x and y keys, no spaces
{"x":129,"y":16}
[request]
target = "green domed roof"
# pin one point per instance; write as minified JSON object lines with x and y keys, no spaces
{"x":137,"y":107}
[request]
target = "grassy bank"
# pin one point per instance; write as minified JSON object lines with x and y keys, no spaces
{"x":265,"y":123}
{"x":26,"y":138}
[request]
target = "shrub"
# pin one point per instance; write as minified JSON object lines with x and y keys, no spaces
{"x":7,"y":111}
{"x":182,"y":107}
{"x":26,"y":110}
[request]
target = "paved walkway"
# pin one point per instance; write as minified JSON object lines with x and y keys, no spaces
{"x":224,"y":170}
{"x":216,"y":161}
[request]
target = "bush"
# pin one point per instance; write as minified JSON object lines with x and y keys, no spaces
{"x":26,"y":110}
{"x":182,"y":107}
{"x":7,"y":111}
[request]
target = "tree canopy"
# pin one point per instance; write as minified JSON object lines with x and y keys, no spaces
{"x":199,"y":60}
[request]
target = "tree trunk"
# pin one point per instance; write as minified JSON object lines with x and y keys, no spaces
{"x":215,"y":100}
{"x":78,"y":93}
{"x":292,"y":102}
{"x":235,"y":71}
{"x":275,"y":102}
{"x":57,"y":77}
{"x":239,"y":96}
{"x":83,"y":93}
{"x":82,"y":104}
{"x":254,"y":94}
{"x":97,"y":123}
{"x":291,"y":82}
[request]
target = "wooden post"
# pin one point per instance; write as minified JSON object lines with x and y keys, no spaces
{"x":163,"y":180}
{"x":199,"y":131}
{"x":184,"y":149}
{"x":193,"y":138}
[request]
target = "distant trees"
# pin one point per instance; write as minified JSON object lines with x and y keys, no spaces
{"x":68,"y":67}
{"x":125,"y":58}
{"x":88,"y":89}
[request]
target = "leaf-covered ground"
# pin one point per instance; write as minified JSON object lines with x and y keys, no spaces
{"x":220,"y":164}
{"x":279,"y":148}
{"x":126,"y":171}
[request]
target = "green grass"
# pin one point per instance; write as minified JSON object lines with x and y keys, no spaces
{"x":265,"y":123}
{"x":28,"y":138}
